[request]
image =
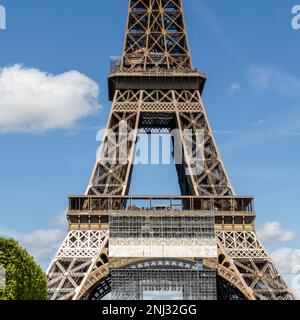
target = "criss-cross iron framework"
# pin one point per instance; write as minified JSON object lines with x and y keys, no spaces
{"x":207,"y":235}
{"x":156,"y":36}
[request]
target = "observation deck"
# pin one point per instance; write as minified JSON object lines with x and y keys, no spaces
{"x":137,"y":78}
{"x":94,"y":212}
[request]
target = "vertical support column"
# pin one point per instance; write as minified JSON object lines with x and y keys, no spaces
{"x":112,"y":177}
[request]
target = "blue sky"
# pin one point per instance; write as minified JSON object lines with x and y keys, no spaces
{"x":250,"y":54}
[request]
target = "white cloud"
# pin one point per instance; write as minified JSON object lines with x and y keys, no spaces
{"x":35,"y":101}
{"x":262,"y":77}
{"x":275,"y":80}
{"x":43,"y":238}
{"x":60,"y":220}
{"x":235,"y":87}
{"x":261,"y":121}
{"x":42,"y":244}
{"x":288,"y":262}
{"x":273,"y":232}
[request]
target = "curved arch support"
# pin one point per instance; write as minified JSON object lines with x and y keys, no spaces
{"x":96,"y":276}
{"x":99,"y":272}
{"x":229,"y":272}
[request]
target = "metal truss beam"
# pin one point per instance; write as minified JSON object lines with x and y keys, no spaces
{"x":156,"y":36}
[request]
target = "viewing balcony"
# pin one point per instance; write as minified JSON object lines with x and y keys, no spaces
{"x":136,"y":78}
{"x":96,"y":210}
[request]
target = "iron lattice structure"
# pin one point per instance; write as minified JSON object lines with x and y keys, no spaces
{"x":116,"y":246}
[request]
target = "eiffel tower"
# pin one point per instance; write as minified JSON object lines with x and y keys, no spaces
{"x":201,"y":245}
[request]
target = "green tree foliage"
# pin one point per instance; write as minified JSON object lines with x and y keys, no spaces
{"x":25,"y":280}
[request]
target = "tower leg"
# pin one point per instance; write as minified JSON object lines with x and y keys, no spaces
{"x":81,"y":253}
